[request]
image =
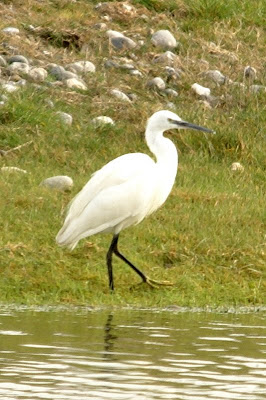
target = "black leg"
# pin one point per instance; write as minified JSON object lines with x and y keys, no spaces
{"x":113,"y":249}
{"x":109,"y":263}
{"x":118,"y":254}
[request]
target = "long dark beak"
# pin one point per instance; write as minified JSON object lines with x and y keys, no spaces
{"x":188,"y":125}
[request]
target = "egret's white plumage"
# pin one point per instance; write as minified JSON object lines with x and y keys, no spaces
{"x":126,"y":190}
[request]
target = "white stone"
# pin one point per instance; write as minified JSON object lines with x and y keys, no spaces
{"x":171,"y":92}
{"x":9,"y":87}
{"x":114,"y":34}
{"x":257,"y":88}
{"x":67,"y":119}
{"x":18,"y":68}
{"x":120,"y":95}
{"x":164,"y":39}
{"x":236,"y":166}
{"x":17,"y":58}
{"x":11,"y":30}
{"x":102,"y":120}
{"x":74,"y":83}
{"x":60,"y":182}
{"x":37,"y":74}
{"x":156,"y":83}
{"x":136,"y":72}
{"x":166,"y":58}
{"x":81,"y":67}
{"x":216,"y":76}
{"x":201,"y":90}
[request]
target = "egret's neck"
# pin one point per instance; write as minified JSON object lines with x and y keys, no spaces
{"x":163,"y":149}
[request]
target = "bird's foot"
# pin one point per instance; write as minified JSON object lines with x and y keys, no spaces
{"x":155,"y":284}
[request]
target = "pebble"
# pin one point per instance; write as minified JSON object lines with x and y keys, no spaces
{"x":67,"y":119}
{"x":59,"y":72}
{"x":102,"y":120}
{"x":216,"y":76}
{"x":37,"y":74}
{"x":156,"y":83}
{"x":10,"y":30}
{"x":9,"y":87}
{"x":164,"y":39}
{"x":13,"y":169}
{"x":17,"y":58}
{"x":166,"y":58}
{"x":257,"y":88}
{"x":171,"y":92}
{"x":173,"y":73}
{"x":120,"y":95}
{"x":60,"y":182}
{"x":250,"y":72}
{"x":123,"y":43}
{"x":236,"y":166}
{"x":18,"y":68}
{"x":136,"y":72}
{"x":201,"y":90}
{"x":81,"y":67}
{"x":101,"y":26}
{"x":74,"y":83}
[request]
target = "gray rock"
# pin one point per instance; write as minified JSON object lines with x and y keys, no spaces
{"x":65,"y":118}
{"x":250,"y":73}
{"x":17,"y":58}
{"x":173,"y":73}
{"x":164,"y":39}
{"x":101,"y":26}
{"x":37,"y":74}
{"x":216,"y":76}
{"x":60,"y":182}
{"x":171,"y":92}
{"x":59,"y":72}
{"x":18,"y":68}
{"x":81,"y":67}
{"x":166,"y":58}
{"x":123,"y":43}
{"x":156,"y":83}
{"x":111,"y":64}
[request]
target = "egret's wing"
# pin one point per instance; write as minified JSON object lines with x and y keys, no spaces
{"x":107,"y":199}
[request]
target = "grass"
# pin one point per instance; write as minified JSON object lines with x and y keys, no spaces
{"x":209,"y":237}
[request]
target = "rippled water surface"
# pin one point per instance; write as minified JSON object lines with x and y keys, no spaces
{"x":82,"y":354}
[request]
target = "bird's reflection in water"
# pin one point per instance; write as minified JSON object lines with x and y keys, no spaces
{"x":109,"y":338}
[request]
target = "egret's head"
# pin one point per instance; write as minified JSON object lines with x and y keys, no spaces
{"x":165,"y":120}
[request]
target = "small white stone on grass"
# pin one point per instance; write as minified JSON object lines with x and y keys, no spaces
{"x":120,"y":95}
{"x":37,"y":74}
{"x":60,"y":182}
{"x":10,"y":87}
{"x":74,"y":83}
{"x":171,"y":92}
{"x":81,"y":67}
{"x":257,"y":88}
{"x":65,"y":118}
{"x":156,"y":83}
{"x":120,"y":41}
{"x":201,"y":90}
{"x":10,"y":30}
{"x":166,"y":58}
{"x":18,"y":68}
{"x":236,"y":166}
{"x":164,"y":39}
{"x":216,"y":76}
{"x":102,"y":120}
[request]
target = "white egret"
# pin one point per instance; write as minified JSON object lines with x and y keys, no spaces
{"x":125,"y":191}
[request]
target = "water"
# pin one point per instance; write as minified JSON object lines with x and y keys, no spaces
{"x":82,"y":354}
